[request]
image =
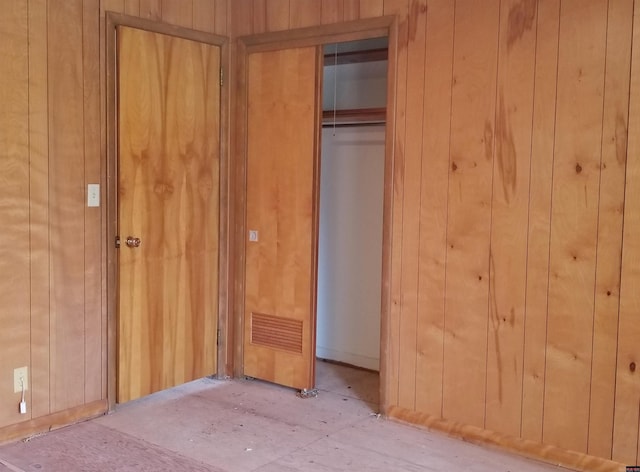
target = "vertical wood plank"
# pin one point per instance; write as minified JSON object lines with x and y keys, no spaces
{"x":371,"y":8}
{"x":627,"y":396}
{"x":132,"y":7}
{"x":574,"y":222}
{"x":468,"y":228}
{"x":401,"y":8}
{"x":151,"y":9}
{"x":116,"y":6}
{"x":433,"y":205}
{"x":411,"y":203}
{"x":333,"y":11}
{"x":259,"y":16}
{"x":544,"y":110}
{"x":14,"y":203}
{"x":351,"y":10}
{"x":305,"y":13}
{"x":203,"y":15}
{"x":178,"y":12}
{"x":39,"y":208}
{"x":241,"y":17}
{"x":277,"y":15}
{"x":510,"y":214}
{"x":92,"y":216}
{"x":609,"y":250}
{"x":66,"y":203}
{"x":221,"y":17}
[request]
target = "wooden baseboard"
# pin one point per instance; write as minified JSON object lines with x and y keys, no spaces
{"x":53,"y":421}
{"x":531,"y":449}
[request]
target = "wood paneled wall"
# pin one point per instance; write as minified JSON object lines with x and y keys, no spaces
{"x":515,"y":256}
{"x":52,"y":247}
{"x":514,"y":302}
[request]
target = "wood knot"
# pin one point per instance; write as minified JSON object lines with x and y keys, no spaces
{"x":608,"y":293}
{"x":454,"y":166}
{"x":632,"y":367}
{"x":578,"y":168}
{"x":479,"y":277}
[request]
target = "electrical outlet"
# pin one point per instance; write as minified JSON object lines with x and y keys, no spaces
{"x":20,"y":375}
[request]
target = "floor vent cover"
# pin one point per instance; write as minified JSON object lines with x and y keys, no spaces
{"x":277,"y":333}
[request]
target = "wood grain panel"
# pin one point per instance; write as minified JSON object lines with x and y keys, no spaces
{"x":242,"y":17}
{"x":132,"y":7}
{"x":151,"y":9}
{"x":541,"y":178}
{"x":280,"y":277}
{"x":116,"y":6}
{"x":333,"y":11}
{"x":168,"y":187}
{"x":66,"y":203}
{"x":433,"y":205}
{"x":93,"y":234}
{"x":221,"y":16}
{"x":469,"y":214}
{"x":259,"y":16}
{"x":178,"y":12}
{"x":510,"y":215}
{"x":56,"y":131}
{"x":277,"y":15}
{"x":412,"y":190}
{"x":351,"y":10}
{"x":627,"y":397}
{"x":574,"y":215}
{"x":204,"y":15}
{"x":609,"y":249}
{"x":371,"y":8}
{"x":400,"y":7}
{"x":39,"y":209}
{"x":305,"y":13}
{"x":14,"y":203}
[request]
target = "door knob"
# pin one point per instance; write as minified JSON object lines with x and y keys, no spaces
{"x":133,"y":242}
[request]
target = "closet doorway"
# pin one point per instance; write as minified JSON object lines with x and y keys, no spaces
{"x":351,"y":206}
{"x":281,"y":115}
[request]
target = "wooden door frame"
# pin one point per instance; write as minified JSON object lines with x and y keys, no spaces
{"x":110,"y":176}
{"x":313,"y":36}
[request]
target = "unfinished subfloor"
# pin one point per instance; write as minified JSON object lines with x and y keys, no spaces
{"x":245,"y":425}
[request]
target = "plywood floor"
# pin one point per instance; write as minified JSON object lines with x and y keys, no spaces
{"x":243,"y":425}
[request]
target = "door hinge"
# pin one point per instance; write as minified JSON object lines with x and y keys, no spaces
{"x":117,"y":242}
{"x":218,"y":337}
{"x":221,"y":77}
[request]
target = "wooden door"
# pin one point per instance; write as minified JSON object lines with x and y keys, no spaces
{"x":168,"y":197}
{"x":281,"y":241}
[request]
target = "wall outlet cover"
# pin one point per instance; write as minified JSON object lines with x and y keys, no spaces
{"x":20,"y":375}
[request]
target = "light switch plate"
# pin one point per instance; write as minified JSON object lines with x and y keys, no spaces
{"x":253,"y":235}
{"x":93,"y":195}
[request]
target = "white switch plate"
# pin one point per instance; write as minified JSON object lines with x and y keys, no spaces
{"x":93,"y":195}
{"x":253,"y":235}
{"x":18,"y":374}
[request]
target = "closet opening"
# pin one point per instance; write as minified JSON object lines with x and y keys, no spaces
{"x":350,"y":248}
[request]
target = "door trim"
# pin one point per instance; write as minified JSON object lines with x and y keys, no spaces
{"x":313,"y":36}
{"x":110,"y":180}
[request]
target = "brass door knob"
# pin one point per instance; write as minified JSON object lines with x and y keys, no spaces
{"x":133,"y":242}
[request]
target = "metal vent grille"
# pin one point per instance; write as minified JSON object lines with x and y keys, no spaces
{"x":277,"y":333}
